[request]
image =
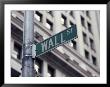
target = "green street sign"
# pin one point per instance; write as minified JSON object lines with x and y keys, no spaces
{"x":56,"y":40}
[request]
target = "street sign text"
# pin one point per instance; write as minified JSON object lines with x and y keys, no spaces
{"x":56,"y":40}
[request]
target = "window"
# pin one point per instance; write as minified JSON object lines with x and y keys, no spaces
{"x":86,"y":54}
{"x":82,"y":21}
{"x":74,"y":44}
{"x":51,"y":71}
{"x":94,"y":60}
{"x":71,"y":24}
{"x":21,"y":12}
{"x":85,"y":38}
{"x":38,"y":66}
{"x":89,"y":28}
{"x":38,"y":16}
{"x":18,"y":20}
{"x":49,"y":24}
{"x":18,"y":49}
{"x":92,"y":44}
{"x":72,"y":14}
{"x":50,"y":12}
{"x":83,"y":11}
{"x":63,"y":20}
{"x":88,"y":14}
{"x":38,"y":36}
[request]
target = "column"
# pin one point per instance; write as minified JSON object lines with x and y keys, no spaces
{"x":44,"y":69}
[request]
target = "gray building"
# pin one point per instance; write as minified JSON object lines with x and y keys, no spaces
{"x":77,"y":58}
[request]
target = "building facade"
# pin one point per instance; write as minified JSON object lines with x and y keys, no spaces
{"x":77,"y":58}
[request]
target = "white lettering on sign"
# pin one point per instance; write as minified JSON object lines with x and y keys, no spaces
{"x":50,"y":43}
{"x":56,"y":41}
{"x":69,"y":31}
{"x":44,"y":46}
{"x":53,"y":41}
{"x":62,"y":38}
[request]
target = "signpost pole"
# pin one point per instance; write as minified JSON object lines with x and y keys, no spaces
{"x":28,"y":38}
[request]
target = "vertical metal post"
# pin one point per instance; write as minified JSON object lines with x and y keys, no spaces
{"x":28,"y":38}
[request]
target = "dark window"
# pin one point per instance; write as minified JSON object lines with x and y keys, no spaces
{"x":89,"y":28}
{"x":85,"y":38}
{"x":50,"y":12}
{"x":92,"y":44}
{"x":19,"y":21}
{"x":38,"y":66}
{"x":94,"y":60}
{"x":38,"y":36}
{"x":51,"y":71}
{"x":49,"y":24}
{"x":86,"y":54}
{"x":83,"y":11}
{"x":88,"y":14}
{"x":18,"y":49}
{"x":72,"y":14}
{"x":74,"y":44}
{"x":75,"y":62}
{"x":22,"y":12}
{"x":71,"y":24}
{"x":82,"y":21}
{"x":38,"y":16}
{"x":63,"y":20}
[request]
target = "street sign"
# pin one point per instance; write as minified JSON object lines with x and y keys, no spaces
{"x":56,"y":40}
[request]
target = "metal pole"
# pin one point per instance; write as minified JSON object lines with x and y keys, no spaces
{"x":28,"y":38}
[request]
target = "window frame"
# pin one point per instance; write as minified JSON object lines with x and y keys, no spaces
{"x":85,"y":38}
{"x":89,"y":25}
{"x":65,"y":19}
{"x":83,"y":21}
{"x":92,"y":44}
{"x":88,"y":14}
{"x":40,"y":15}
{"x":20,"y":52}
{"x":50,"y":24}
{"x":94,"y":62}
{"x":51,"y":72}
{"x":88,"y":54}
{"x":74,"y":44}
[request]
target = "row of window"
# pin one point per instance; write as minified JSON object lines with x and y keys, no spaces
{"x":88,"y":25}
{"x":92,"y":45}
{"x":64,"y":20}
{"x":71,"y":13}
{"x":49,"y":24}
{"x":87,"y":56}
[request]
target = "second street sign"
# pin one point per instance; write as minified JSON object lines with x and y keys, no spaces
{"x":56,"y":40}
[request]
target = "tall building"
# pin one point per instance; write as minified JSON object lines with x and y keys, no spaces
{"x":77,"y":58}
